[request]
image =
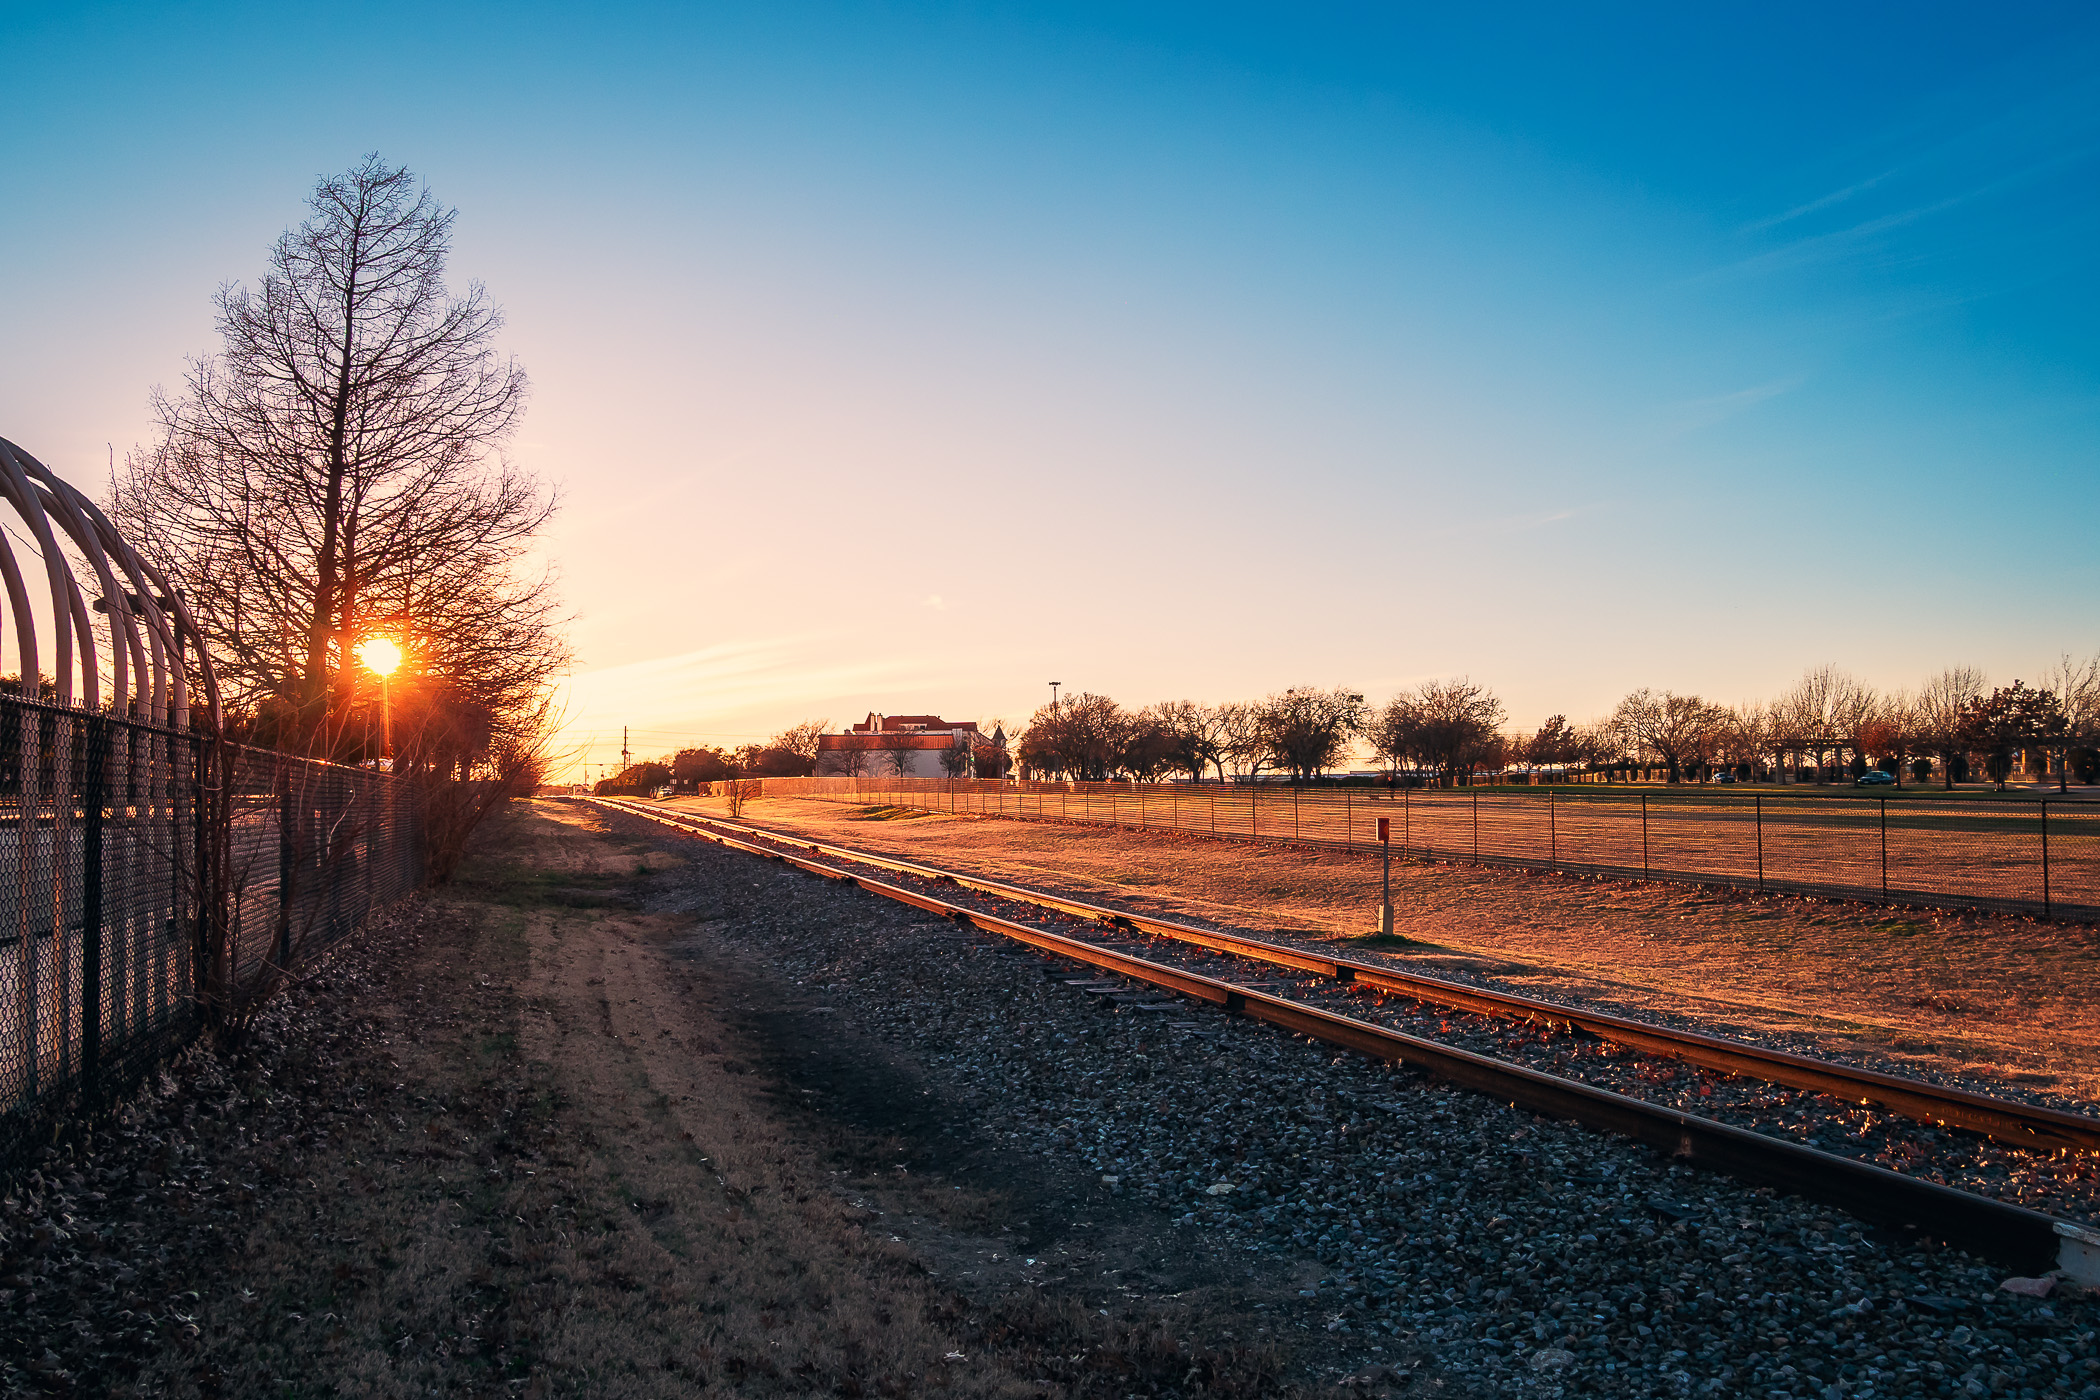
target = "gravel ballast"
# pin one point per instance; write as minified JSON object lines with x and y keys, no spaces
{"x":2061,"y":1184}
{"x":1530,"y":1257}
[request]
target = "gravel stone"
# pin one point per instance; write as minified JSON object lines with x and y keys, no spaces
{"x":2059,"y":1183}
{"x":1532,"y":1257}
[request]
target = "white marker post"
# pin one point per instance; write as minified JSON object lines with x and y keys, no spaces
{"x":1385,"y":879}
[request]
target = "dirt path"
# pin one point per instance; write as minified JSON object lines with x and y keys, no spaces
{"x":534,"y":1140}
{"x":1986,"y":997}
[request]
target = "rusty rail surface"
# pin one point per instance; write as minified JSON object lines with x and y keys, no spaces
{"x":2011,"y":1234}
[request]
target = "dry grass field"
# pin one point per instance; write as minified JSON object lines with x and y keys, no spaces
{"x":1992,"y":997}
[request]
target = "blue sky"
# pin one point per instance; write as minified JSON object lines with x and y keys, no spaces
{"x":909,"y":356}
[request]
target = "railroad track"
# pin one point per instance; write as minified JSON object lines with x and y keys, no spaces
{"x":2011,"y":1234}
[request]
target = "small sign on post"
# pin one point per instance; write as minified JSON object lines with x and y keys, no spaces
{"x":1385,"y":876}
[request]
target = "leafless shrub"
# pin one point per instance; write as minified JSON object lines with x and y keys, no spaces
{"x":739,"y":791}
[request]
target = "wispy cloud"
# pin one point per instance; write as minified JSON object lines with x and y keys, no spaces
{"x":1691,"y":415}
{"x":1841,"y":242}
{"x":1816,"y":206}
{"x":2022,"y":142}
{"x":1513,"y":524}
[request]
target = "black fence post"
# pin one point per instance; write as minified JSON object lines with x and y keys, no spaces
{"x":1552,"y":829}
{"x":2046,"y":911}
{"x":93,"y":781}
{"x":328,"y":856}
{"x":205,"y":930}
{"x":287,"y":864}
{"x":1759,"y":817}
{"x":1884,"y":848}
{"x":1476,"y":826}
{"x":1644,"y":836}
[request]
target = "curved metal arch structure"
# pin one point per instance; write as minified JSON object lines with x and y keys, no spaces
{"x":157,"y":878}
{"x":149,"y":639}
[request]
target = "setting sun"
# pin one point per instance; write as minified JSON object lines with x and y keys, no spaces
{"x":381,"y":655}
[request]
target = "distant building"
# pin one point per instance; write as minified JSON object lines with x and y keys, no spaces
{"x":865,"y":750}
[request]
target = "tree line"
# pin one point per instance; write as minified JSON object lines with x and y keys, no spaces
{"x":792,"y":753}
{"x":1452,"y":731}
{"x":1449,"y":732}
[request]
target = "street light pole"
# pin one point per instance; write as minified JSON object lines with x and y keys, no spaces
{"x":1053,"y":695}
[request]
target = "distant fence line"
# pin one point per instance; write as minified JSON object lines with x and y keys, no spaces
{"x":2040,"y":858}
{"x":106,"y":868}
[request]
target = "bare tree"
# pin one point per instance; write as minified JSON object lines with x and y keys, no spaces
{"x":1942,"y":709}
{"x":1146,"y":744}
{"x":898,"y":760}
{"x":801,"y":742}
{"x":955,"y":759}
{"x":1674,"y":728}
{"x":1891,"y":731}
{"x":853,"y":761}
{"x":1194,"y":737}
{"x":1855,"y":708}
{"x":1308,"y":729}
{"x":1246,"y":739}
{"x":332,"y":473}
{"x":1080,"y":737}
{"x":1390,"y":733}
{"x":1746,"y":738}
{"x":1450,"y":727}
{"x":2076,"y":685}
{"x":1826,"y":711}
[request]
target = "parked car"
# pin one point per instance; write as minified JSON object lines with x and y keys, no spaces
{"x":1874,"y":777}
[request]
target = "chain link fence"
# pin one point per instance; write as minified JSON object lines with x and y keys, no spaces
{"x":135,"y":870}
{"x":2024,"y":856}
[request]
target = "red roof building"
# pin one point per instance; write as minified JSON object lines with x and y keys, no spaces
{"x":919,"y":742}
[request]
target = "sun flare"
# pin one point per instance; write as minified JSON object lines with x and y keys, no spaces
{"x":381,"y":655}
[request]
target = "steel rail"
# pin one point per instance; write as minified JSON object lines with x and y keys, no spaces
{"x":2020,"y":1125}
{"x":2011,"y":1234}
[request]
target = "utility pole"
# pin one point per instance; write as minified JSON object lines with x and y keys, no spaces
{"x":626,"y":758}
{"x":1053,"y":695}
